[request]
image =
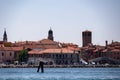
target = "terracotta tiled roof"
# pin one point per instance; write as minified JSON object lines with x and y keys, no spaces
{"x":5,"y":48}
{"x":33,"y":46}
{"x":11,"y":48}
{"x":1,"y":42}
{"x":17,"y":48}
{"x":115,"y":50}
{"x":46,"y":41}
{"x":117,"y":47}
{"x":72,"y":48}
{"x":35,"y":52}
{"x":41,"y":46}
{"x":115,"y":44}
{"x":43,"y":41}
{"x":1,"y":48}
{"x":105,"y":50}
{"x":95,"y":50}
{"x":63,"y":50}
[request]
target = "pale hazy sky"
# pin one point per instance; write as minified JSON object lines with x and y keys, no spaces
{"x":31,"y":19}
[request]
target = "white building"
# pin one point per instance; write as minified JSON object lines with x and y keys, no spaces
{"x":60,"y":56}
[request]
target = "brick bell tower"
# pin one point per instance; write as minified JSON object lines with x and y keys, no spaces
{"x":86,"y":37}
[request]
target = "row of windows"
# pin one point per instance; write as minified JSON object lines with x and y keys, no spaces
{"x":59,"y":56}
{"x":53,"y":56}
{"x":32,"y":55}
{"x":116,"y":53}
{"x":64,"y":62}
{"x":118,"y":58}
{"x":102,"y":54}
{"x":4,"y":54}
{"x":86,"y":34}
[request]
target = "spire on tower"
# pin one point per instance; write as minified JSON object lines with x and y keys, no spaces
{"x":5,"y":36}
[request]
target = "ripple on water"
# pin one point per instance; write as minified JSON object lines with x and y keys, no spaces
{"x":60,"y":74}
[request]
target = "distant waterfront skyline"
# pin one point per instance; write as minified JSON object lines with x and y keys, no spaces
{"x":31,"y":20}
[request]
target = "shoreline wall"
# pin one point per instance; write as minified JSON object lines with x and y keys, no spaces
{"x":60,"y":66}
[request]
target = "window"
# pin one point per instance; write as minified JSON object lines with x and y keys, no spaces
{"x":53,"y":55}
{"x":60,"y":56}
{"x":71,"y":62}
{"x":15,"y":55}
{"x":10,"y":54}
{"x":63,"y":55}
{"x":2,"y":54}
{"x":118,"y":53}
{"x":40,"y":55}
{"x":31,"y":55}
{"x":66,"y":62}
{"x":56,"y":55}
{"x":66,"y":55}
{"x":71,"y":56}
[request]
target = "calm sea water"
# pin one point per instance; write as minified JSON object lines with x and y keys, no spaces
{"x":60,"y":74}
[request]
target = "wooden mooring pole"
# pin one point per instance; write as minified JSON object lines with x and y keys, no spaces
{"x":41,"y":65}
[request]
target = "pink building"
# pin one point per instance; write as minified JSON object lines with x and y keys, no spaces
{"x":9,"y":54}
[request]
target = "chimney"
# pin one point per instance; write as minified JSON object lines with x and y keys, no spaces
{"x":106,"y":42}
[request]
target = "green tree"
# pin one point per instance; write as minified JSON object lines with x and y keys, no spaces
{"x":23,"y":56}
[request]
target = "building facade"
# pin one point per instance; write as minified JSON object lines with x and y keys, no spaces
{"x":102,"y":54}
{"x":6,"y":54}
{"x":54,"y":56}
{"x":9,"y":54}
